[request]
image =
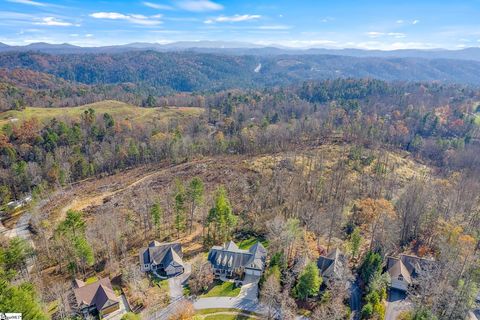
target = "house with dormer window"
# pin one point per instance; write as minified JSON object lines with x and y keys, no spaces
{"x":404,"y":269}
{"x":162,"y":259}
{"x":228,"y":261}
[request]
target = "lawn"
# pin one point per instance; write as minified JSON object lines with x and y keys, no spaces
{"x":245,"y":244}
{"x":91,"y":280}
{"x":477,"y":119}
{"x":227,"y":314}
{"x":222,"y":289}
{"x":223,"y":316}
{"x":118,"y":110}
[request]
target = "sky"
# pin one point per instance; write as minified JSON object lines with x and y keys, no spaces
{"x":364,"y":24}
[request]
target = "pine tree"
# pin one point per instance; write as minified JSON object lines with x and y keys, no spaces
{"x":179,"y":207}
{"x":157,"y":217}
{"x":355,"y":242}
{"x":221,"y":216}
{"x":195,"y":197}
{"x":309,"y":282}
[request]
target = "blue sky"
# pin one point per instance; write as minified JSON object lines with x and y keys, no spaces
{"x":362,"y":24}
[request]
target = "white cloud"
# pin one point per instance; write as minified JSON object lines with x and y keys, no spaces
{"x":401,"y":21}
{"x":52,"y":21}
{"x":235,"y":18}
{"x":327,"y":19}
{"x":133,"y":18}
{"x":108,"y":15}
{"x":89,"y":35}
{"x":199,"y":5}
{"x":301,"y":43}
{"x":157,"y":6}
{"x":274,"y":27}
{"x":29,"y":2}
{"x":376,"y":34}
{"x":397,"y":35}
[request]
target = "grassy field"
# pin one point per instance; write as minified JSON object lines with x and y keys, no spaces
{"x":91,"y":280}
{"x":224,"y":289}
{"x":477,"y":119}
{"x":225,"y":314}
{"x":118,"y":110}
{"x":247,"y":243}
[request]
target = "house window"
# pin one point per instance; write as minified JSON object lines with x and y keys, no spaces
{"x":400,"y":278}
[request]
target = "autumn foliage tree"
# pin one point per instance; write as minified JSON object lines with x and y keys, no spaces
{"x":373,"y":213}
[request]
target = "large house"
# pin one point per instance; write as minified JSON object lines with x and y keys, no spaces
{"x":231,"y":262}
{"x":332,"y":265}
{"x":404,"y":269}
{"x":96,"y":298}
{"x":163,"y":259}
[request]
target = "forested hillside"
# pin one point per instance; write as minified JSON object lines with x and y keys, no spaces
{"x":372,"y":167}
{"x":159,"y":73}
{"x":438,"y":123}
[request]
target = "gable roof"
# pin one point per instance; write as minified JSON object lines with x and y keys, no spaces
{"x":99,"y":294}
{"x":397,"y":269}
{"x":332,"y":264}
{"x":162,"y":253}
{"x":230,"y":256}
{"x":259,"y":256}
{"x":408,"y":266}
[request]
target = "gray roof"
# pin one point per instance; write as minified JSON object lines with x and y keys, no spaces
{"x":229,"y":256}
{"x":162,"y":253}
{"x":332,"y":264}
{"x":408,"y":266}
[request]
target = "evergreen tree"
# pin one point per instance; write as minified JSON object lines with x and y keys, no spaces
{"x":371,"y":264}
{"x":195,"y":197}
{"x":222,"y":217}
{"x":355,"y":242}
{"x":157,"y":217}
{"x":179,"y":207}
{"x":309,"y":282}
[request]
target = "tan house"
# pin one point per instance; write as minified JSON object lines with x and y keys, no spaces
{"x":96,"y":298}
{"x":405,"y":268}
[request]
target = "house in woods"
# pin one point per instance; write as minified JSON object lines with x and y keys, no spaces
{"x":405,"y":268}
{"x":163,"y":259}
{"x":228,"y":261}
{"x":97,"y":298}
{"x":332,"y":265}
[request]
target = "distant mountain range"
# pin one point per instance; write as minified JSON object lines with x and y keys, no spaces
{"x":242,"y":48}
{"x":188,"y":71}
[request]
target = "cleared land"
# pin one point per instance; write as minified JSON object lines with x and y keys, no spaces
{"x":118,"y":110}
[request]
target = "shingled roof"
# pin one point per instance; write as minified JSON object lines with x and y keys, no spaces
{"x":408,"y":266}
{"x":99,"y":294}
{"x":162,"y":253}
{"x":229,"y":256}
{"x":332,"y":264}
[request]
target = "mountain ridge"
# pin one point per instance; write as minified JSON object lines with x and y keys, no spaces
{"x":244,"y":48}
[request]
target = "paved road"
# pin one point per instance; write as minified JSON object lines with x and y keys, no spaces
{"x":396,"y":303}
{"x":176,"y":283}
{"x":355,"y":300}
{"x":21,"y":230}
